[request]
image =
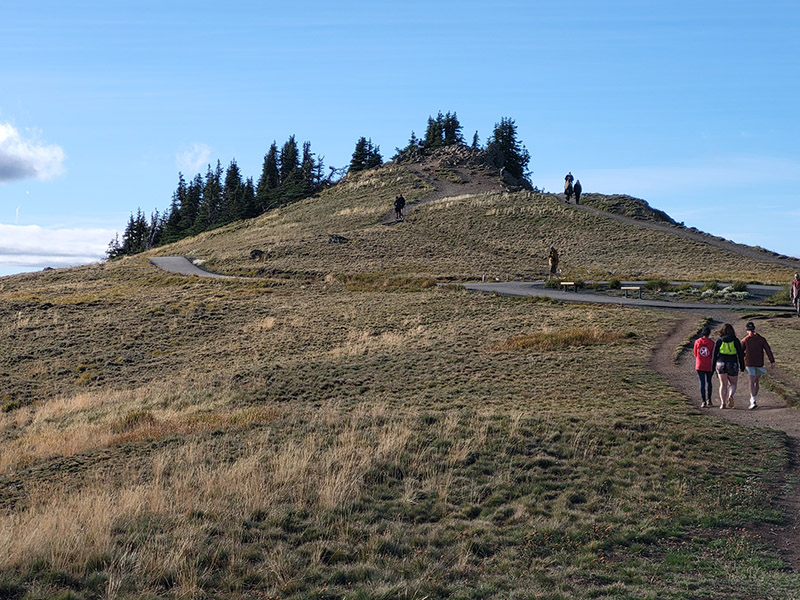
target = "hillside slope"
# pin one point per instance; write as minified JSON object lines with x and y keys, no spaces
{"x":343,"y":428}
{"x":464,"y":224}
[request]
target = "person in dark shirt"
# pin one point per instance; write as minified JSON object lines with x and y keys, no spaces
{"x":399,"y":204}
{"x":755,"y":346}
{"x":728,"y":360}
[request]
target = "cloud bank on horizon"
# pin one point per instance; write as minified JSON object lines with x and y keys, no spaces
{"x":28,"y":247}
{"x":33,"y":247}
{"x":25,"y":158}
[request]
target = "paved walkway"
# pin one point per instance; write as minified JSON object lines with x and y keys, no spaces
{"x":523,"y":289}
{"x":183,"y":266}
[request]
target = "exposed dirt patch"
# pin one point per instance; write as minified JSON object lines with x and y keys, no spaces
{"x":452,"y":171}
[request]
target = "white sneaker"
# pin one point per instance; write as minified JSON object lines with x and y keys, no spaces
{"x":753,"y":403}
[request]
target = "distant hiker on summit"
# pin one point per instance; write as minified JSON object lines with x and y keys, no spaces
{"x":399,"y":204}
{"x":794,"y":293}
{"x":577,"y":189}
{"x":568,"y":189}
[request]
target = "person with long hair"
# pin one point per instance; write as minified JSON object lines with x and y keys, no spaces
{"x":728,"y":361}
{"x":703,"y":354}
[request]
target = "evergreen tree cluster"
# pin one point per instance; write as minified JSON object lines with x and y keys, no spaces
{"x":444,"y":130}
{"x":365,"y":156}
{"x":508,"y":152}
{"x":222,"y":197}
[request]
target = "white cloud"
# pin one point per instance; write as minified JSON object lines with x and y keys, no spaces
{"x":31,"y":247}
{"x":22,"y":158}
{"x":192,"y":161}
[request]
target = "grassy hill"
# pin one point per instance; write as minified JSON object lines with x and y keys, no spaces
{"x":468,"y":234}
{"x":342,"y":428}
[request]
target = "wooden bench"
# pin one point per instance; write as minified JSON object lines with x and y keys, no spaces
{"x":632,"y":288}
{"x":570,"y":284}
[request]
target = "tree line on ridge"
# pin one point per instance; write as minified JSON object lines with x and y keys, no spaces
{"x":222,"y":197}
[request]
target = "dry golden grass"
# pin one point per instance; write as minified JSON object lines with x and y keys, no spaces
{"x":341,"y":426}
{"x":558,"y":339}
{"x":464,"y":236}
{"x":69,"y":529}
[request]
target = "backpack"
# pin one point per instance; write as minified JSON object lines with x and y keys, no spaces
{"x":727,"y":348}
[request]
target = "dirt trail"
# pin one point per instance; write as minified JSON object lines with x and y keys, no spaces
{"x":473,"y":180}
{"x":772,"y":412}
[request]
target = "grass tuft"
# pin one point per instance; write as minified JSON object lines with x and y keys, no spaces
{"x":558,"y":340}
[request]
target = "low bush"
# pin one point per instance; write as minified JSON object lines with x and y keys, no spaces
{"x":780,"y":297}
{"x":556,"y":340}
{"x":739,"y":286}
{"x":11,"y":405}
{"x":552,"y":284}
{"x":657,"y":285}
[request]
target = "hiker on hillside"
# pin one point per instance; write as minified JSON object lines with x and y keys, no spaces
{"x":577,"y":189}
{"x":704,"y":365}
{"x":754,"y":346}
{"x":568,"y":179}
{"x":728,"y":360}
{"x":553,"y":260}
{"x":399,"y":204}
{"x":568,"y":190}
{"x":794,"y":292}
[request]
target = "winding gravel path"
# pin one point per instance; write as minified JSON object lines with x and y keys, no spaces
{"x":181,"y":265}
{"x":523,"y":289}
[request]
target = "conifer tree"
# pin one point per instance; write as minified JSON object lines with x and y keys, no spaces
{"x":237,"y":202}
{"x":508,"y":152}
{"x":172,"y":224}
{"x":309,"y":170}
{"x":451,"y":130}
{"x":434,"y":134}
{"x":359,"y":158}
{"x":289,"y":160}
{"x":208,"y":213}
{"x":365,"y":156}
{"x":191,"y":206}
{"x":270,"y":179}
{"x":155,"y":231}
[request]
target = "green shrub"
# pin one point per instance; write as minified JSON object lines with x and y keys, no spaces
{"x":659,"y":285}
{"x":614,"y":284}
{"x":552,"y":283}
{"x":14,"y":405}
{"x":710,"y":286}
{"x":780,"y":297}
{"x":739,"y":286}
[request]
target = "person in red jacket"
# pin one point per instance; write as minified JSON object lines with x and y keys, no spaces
{"x":754,"y":346}
{"x":704,"y":353}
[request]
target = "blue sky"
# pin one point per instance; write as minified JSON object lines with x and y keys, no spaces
{"x":689,"y":105}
